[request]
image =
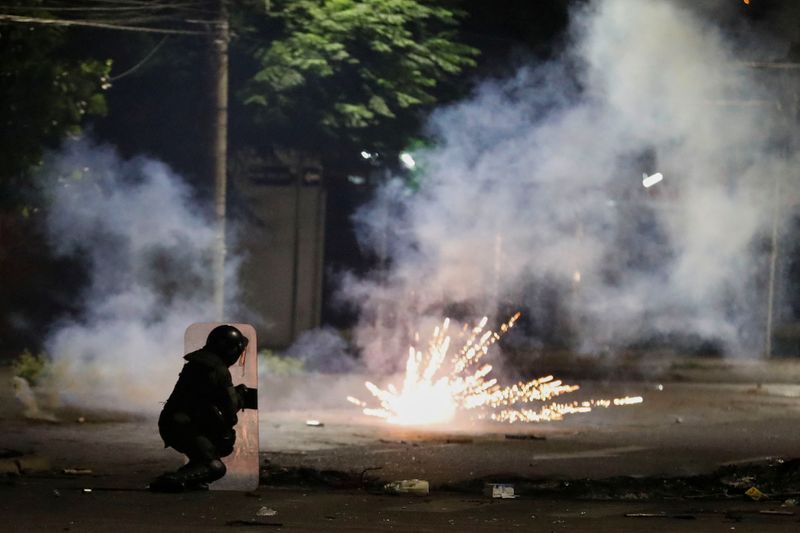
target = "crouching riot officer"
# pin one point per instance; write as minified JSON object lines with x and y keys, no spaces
{"x":199,"y":417}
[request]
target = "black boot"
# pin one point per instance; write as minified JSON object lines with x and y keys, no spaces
{"x":191,"y":476}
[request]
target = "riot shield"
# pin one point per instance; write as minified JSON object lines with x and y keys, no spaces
{"x":242,"y":464}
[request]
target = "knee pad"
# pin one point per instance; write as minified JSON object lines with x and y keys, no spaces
{"x":216,"y":469}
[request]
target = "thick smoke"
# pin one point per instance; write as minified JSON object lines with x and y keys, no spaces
{"x":533,"y":198}
{"x":147,"y":251}
{"x":322,"y":350}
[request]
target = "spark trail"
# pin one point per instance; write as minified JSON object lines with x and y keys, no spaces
{"x":437,"y":386}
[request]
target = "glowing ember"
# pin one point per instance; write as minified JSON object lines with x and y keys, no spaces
{"x":428,"y":397}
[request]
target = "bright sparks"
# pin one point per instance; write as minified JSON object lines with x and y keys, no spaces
{"x":437,"y":386}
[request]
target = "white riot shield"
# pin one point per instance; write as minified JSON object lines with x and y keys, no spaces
{"x":242,"y":464}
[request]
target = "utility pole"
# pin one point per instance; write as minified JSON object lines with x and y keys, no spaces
{"x":221,"y":37}
{"x":788,"y":103}
{"x":773,"y":261}
{"x":169,"y":23}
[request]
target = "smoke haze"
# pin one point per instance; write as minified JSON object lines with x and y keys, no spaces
{"x":147,"y":250}
{"x":322,"y":350}
{"x":532,"y":199}
{"x":535,"y":186}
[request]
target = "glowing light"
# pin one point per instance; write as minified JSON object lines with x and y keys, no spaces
{"x":408,"y":161}
{"x":437,"y":386}
{"x":649,"y":181}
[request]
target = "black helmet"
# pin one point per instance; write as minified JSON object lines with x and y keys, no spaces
{"x":227,"y":342}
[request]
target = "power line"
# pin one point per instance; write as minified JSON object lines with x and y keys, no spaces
{"x":153,"y":16}
{"x":89,"y":9}
{"x":97,"y":24}
{"x":142,"y":62}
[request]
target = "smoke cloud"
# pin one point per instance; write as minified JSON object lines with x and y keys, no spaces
{"x":323,"y":350}
{"x":147,"y":251}
{"x":532,"y":197}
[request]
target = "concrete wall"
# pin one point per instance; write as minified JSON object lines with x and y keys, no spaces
{"x":282,"y":245}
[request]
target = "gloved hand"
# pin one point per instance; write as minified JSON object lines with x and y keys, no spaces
{"x":248,"y":396}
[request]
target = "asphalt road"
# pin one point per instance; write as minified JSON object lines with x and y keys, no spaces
{"x":328,"y":478}
{"x":33,"y":504}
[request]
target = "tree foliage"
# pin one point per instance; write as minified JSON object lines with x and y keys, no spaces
{"x":46,"y":94}
{"x":346,"y":67}
{"x":305,"y":73}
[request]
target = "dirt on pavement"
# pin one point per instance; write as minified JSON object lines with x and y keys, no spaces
{"x":681,"y":461}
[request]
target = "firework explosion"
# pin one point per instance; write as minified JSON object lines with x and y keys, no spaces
{"x":436,"y":387}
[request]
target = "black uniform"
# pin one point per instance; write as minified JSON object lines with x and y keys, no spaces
{"x":199,"y":417}
{"x":200,"y":414}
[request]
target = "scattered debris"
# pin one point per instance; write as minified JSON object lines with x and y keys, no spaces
{"x":272,"y":474}
{"x":56,"y":493}
{"x":755,"y":494}
{"x":661,"y":515}
{"x":458,"y":440}
{"x":524,"y":436}
{"x":80,"y":420}
{"x":678,"y":420}
{"x":407,"y":486}
{"x":739,"y":514}
{"x":777,"y":478}
{"x":314,"y":423}
{"x":253,"y":523}
{"x":499,"y":490}
{"x":78,"y":471}
{"x":740,"y":482}
{"x":266,"y":511}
